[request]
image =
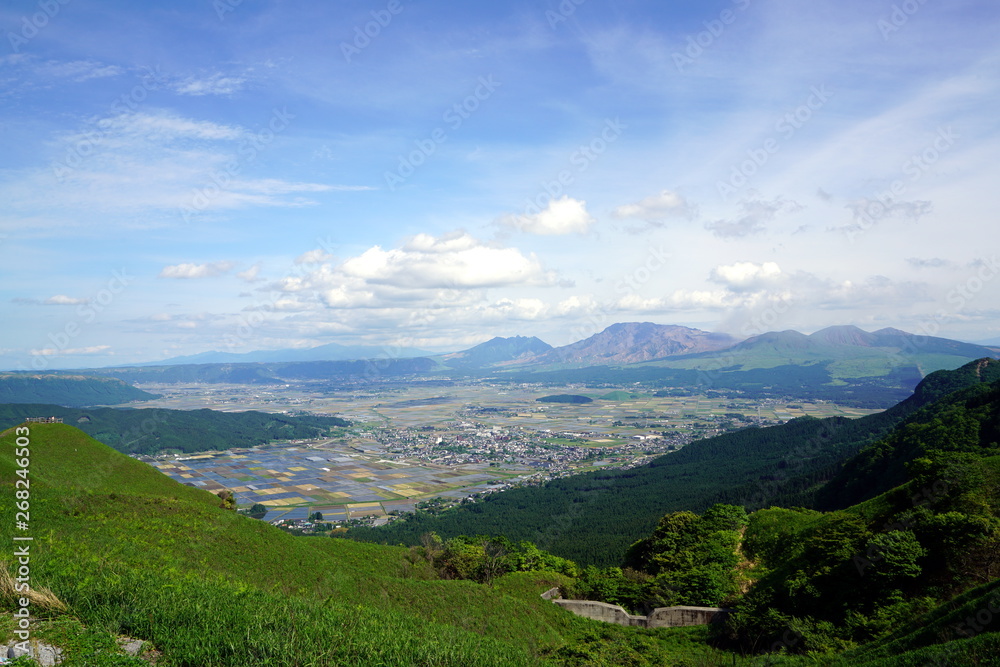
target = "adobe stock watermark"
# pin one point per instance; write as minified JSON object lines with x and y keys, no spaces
{"x":870,"y":211}
{"x":32,"y":25}
{"x":247,"y":151}
{"x":785,"y":128}
{"x":581,"y":159}
{"x":566,"y":9}
{"x":454,"y":116}
{"x":86,"y":313}
{"x":90,"y":142}
{"x":363,"y":35}
{"x":699,"y":42}
{"x":22,"y":551}
{"x":899,"y":17}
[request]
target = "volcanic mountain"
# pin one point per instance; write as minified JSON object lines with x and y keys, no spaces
{"x":497,"y":351}
{"x":633,"y":342}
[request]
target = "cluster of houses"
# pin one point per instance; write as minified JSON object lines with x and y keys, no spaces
{"x":469,"y":442}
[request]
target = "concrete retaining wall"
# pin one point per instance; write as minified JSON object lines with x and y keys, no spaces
{"x":676,"y":617}
{"x":602,"y":611}
{"x":661,"y":617}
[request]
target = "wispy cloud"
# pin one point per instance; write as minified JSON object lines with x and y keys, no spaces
{"x":209,"y":270}
{"x":212,"y":84}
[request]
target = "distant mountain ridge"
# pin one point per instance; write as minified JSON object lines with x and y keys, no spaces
{"x":837,"y":341}
{"x":635,"y":342}
{"x":328,"y":352}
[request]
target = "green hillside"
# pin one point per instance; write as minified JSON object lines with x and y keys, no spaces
{"x":152,"y":430}
{"x":909,"y":576}
{"x":67,"y":389}
{"x":132,"y":553}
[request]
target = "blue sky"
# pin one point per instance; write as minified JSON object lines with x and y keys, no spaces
{"x":190,"y":176}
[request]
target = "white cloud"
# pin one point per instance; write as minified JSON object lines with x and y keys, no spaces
{"x":655,"y":207}
{"x":63,"y":300}
{"x":251,"y":275}
{"x":746,"y":276}
{"x":286,"y":305}
{"x":562,"y":216}
{"x":213,"y":84}
{"x":196,"y":270}
{"x":452,"y":261}
{"x":77,"y":70}
{"x":165,"y":125}
{"x":153,"y":162}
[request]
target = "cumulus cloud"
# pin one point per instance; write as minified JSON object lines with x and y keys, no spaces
{"x":562,"y":216}
{"x":456,"y":260}
{"x":753,"y":218}
{"x":655,"y":208}
{"x":196,"y":270}
{"x":746,"y":276}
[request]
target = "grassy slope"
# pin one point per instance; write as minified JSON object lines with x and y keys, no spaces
{"x":136,"y":553}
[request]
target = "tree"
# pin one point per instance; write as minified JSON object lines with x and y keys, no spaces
{"x":228,"y":499}
{"x":258,"y":511}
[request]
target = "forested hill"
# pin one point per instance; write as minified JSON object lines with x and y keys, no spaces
{"x":593,"y":518}
{"x":966,"y":421}
{"x":66,"y":389}
{"x":150,"y":430}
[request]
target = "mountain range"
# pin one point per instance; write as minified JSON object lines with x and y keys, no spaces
{"x":328,"y":352}
{"x":634,"y":342}
{"x":627,"y":343}
{"x":644,"y":342}
{"x":842,"y":363}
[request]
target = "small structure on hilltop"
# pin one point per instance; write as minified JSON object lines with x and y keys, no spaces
{"x":44,"y":420}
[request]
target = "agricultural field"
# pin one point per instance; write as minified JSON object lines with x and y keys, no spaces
{"x":420,"y":441}
{"x":416,"y":405}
